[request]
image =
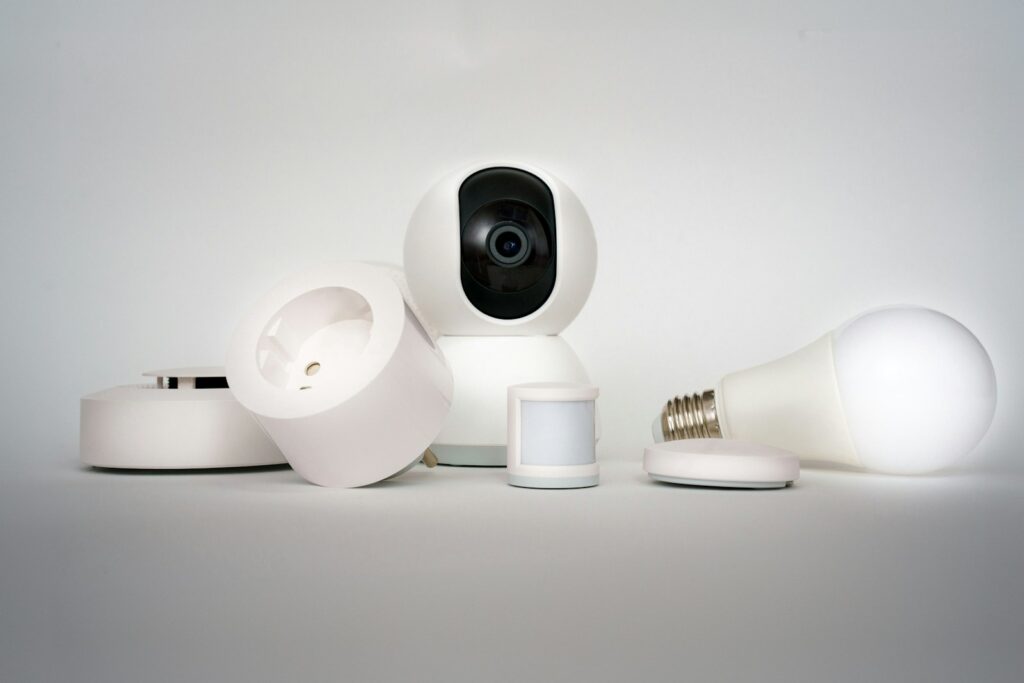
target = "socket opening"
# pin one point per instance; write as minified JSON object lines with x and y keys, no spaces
{"x":315,"y":336}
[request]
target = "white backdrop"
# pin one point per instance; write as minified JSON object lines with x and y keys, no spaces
{"x":756,"y":175}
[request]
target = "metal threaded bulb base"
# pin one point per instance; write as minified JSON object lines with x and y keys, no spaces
{"x":691,"y":417}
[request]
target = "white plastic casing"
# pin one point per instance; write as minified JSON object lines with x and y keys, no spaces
{"x":904,"y":390}
{"x":152,"y":426}
{"x":721,"y":462}
{"x":380,"y":389}
{"x":792,"y":403}
{"x":475,"y":430}
{"x":433,"y":256}
{"x":552,"y":435}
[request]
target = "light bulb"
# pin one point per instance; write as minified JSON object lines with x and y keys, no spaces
{"x":903,"y":390}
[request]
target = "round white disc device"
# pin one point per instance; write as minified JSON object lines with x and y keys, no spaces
{"x":341,"y":373}
{"x":186,"y":419}
{"x":724,"y":463}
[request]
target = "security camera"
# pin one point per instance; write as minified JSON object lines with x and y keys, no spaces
{"x":500,"y":249}
{"x":499,"y":259}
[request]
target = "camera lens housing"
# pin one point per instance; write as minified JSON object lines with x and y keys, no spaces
{"x":466,"y":289}
{"x":507,"y":219}
{"x":508,"y":245}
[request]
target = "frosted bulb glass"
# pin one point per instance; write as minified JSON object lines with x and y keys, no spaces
{"x":918,"y":389}
{"x":905,"y":390}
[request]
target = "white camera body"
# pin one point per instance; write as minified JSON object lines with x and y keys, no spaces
{"x":499,"y":258}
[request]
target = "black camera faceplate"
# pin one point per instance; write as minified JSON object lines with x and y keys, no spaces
{"x":507,"y":197}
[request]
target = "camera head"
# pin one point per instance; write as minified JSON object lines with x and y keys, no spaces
{"x":500,"y":249}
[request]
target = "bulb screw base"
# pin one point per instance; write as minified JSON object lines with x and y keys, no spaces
{"x":691,"y":417}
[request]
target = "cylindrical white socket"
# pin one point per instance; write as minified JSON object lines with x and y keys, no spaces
{"x":552,"y":435}
{"x":342,"y":375}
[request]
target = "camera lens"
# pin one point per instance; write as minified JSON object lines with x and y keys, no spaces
{"x":508,"y":245}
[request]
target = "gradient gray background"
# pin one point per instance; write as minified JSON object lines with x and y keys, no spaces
{"x":757,"y":173}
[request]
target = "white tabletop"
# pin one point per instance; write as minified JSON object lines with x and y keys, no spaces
{"x":449,"y":574}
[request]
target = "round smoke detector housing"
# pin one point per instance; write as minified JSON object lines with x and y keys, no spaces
{"x":341,"y":373}
{"x":187,"y":419}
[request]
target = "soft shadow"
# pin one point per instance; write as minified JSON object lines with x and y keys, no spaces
{"x":820,"y":466}
{"x":471,"y":467}
{"x":178,"y":472}
{"x":414,"y":477}
{"x":739,"y":489}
